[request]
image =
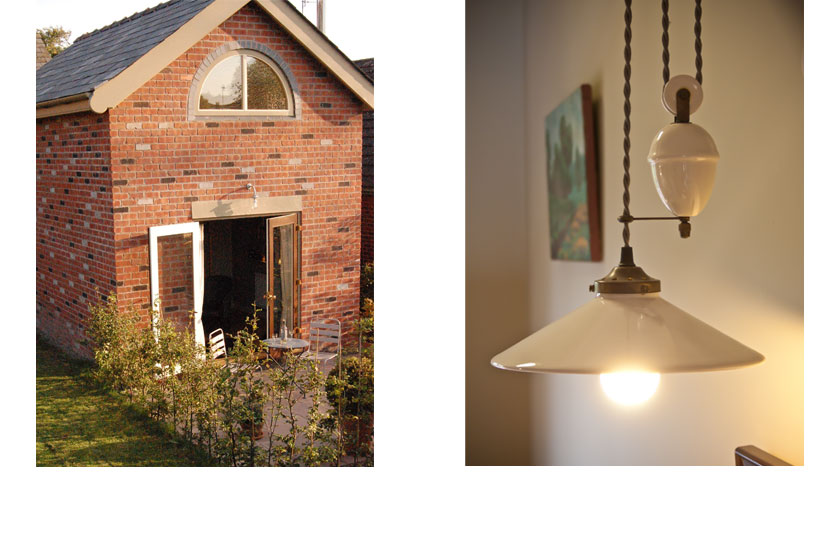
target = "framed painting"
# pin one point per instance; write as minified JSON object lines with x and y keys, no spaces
{"x":573,"y":202}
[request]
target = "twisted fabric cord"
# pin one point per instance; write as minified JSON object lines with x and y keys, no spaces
{"x":698,"y":45}
{"x":666,"y":57}
{"x":628,"y":17}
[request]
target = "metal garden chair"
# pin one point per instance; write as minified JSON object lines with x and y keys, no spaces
{"x":324,"y":341}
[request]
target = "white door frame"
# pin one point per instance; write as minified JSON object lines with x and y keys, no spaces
{"x":198,"y":269}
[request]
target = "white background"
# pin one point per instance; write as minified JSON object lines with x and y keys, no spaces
{"x":420,"y":495}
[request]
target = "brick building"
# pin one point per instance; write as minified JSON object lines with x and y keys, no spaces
{"x":200,"y":156}
{"x":366,"y":65}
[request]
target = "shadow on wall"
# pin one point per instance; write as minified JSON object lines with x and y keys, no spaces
{"x":497,"y":415}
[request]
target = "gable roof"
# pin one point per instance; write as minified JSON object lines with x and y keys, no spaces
{"x":98,"y":56}
{"x":105,"y":66}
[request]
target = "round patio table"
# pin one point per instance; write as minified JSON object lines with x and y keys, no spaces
{"x":289,"y":345}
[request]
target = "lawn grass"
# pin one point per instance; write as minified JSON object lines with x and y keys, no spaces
{"x":78,"y":424}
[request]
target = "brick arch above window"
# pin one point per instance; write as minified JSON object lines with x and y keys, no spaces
{"x":244,"y":47}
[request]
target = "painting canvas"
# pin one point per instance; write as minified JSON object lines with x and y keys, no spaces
{"x":573,"y":209}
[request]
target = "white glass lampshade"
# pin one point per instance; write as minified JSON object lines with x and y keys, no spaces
{"x":626,"y":332}
{"x":683,"y":158}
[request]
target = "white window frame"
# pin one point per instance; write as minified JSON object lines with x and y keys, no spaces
{"x":244,"y":111}
{"x":198,"y":270}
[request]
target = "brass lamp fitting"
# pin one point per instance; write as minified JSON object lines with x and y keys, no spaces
{"x":626,"y":278}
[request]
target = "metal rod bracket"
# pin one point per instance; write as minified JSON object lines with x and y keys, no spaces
{"x":683,"y":105}
{"x":684,"y":227}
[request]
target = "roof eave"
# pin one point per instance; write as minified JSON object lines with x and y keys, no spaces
{"x":64,"y":105}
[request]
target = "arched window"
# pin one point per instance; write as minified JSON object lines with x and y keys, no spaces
{"x":245,"y":82}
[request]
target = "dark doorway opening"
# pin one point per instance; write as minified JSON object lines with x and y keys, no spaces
{"x":234,"y":274}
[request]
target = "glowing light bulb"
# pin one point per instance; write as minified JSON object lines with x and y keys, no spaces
{"x":629,"y":387}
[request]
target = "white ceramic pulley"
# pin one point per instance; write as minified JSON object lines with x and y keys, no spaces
{"x":669,"y":93}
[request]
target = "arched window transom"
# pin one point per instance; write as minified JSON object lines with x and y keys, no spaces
{"x":245,"y":82}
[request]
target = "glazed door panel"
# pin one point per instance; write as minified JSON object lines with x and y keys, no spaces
{"x":282,"y":276}
{"x":177,"y":275}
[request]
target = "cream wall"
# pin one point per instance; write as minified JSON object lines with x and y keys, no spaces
{"x":742,"y":269}
{"x":497,"y":405}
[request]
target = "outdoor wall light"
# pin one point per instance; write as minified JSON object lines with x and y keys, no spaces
{"x":253,"y":188}
{"x":628,"y":334}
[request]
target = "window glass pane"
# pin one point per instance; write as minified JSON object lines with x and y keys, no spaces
{"x":223,"y":87}
{"x":284,"y":269}
{"x":175,"y":276}
{"x":265,"y":90}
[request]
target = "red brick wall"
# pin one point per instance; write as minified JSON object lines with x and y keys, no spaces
{"x":162,"y":162}
{"x":367,"y":67}
{"x":74,"y":228}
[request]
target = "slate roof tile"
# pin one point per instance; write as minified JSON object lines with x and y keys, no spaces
{"x":98,"y":56}
{"x":366,"y":66}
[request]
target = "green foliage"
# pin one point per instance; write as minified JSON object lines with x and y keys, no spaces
{"x":221,"y":409}
{"x":309,"y":439}
{"x":354,"y":385}
{"x":124,"y":354}
{"x":364,"y":326}
{"x":366,"y":283}
{"x":350,"y":393}
{"x":349,"y":390}
{"x":56,"y":39}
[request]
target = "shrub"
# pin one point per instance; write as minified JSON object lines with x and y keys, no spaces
{"x":349,"y":389}
{"x":123,"y":353}
{"x":350,"y":393}
{"x":219,"y":408}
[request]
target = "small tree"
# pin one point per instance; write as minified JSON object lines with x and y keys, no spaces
{"x":122,"y":351}
{"x":366,"y":283}
{"x":311,"y":437}
{"x":56,"y":39}
{"x":244,"y":395}
{"x":350,"y":393}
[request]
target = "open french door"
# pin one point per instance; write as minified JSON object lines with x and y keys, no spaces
{"x":283,"y":274}
{"x":177,"y":275}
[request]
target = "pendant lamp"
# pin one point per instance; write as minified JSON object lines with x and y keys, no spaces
{"x":629,"y":334}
